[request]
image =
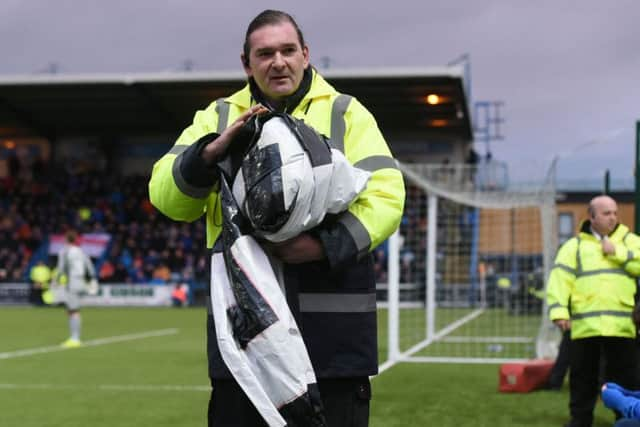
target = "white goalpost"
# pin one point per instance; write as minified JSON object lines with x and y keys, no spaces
{"x":467,"y":268}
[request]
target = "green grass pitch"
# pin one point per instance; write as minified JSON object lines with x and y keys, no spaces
{"x":151,"y":371}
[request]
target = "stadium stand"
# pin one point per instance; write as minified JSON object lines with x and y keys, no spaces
{"x":145,"y":247}
{"x":125,"y":122}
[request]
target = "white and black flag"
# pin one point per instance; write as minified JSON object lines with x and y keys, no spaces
{"x":280,"y":181}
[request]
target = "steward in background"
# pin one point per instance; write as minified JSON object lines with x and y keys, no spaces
{"x":40,"y":276}
{"x":591,"y":292}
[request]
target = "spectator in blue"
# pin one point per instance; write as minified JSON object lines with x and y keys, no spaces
{"x":623,"y":401}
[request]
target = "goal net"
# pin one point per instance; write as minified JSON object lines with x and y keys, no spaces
{"x":465,"y":273}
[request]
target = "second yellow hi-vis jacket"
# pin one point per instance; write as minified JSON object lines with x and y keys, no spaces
{"x":595,"y":291}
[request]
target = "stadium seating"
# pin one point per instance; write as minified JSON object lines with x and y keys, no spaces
{"x":37,"y":206}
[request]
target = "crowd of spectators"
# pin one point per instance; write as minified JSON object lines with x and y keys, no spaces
{"x":21,"y":233}
{"x":145,"y":246}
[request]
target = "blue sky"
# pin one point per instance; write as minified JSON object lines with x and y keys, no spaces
{"x":567,"y":71}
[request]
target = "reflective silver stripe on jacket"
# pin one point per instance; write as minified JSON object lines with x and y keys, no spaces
{"x":178,"y":149}
{"x":222,"y":108}
{"x":565,"y":268}
{"x":338,"y":127}
{"x":337,"y":303}
{"x":603,"y":271}
{"x":616,"y":313}
{"x":374,"y":163}
{"x":578,"y":261}
{"x":358,"y":232}
{"x":629,"y":258}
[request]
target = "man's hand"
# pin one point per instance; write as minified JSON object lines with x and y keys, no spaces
{"x":607,"y":247}
{"x":563,"y":324}
{"x":303,"y":248}
{"x":216,"y":149}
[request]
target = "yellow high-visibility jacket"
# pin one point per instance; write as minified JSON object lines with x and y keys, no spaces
{"x":333,"y":300}
{"x":371,"y":218}
{"x":40,"y":274}
{"x":594,"y":290}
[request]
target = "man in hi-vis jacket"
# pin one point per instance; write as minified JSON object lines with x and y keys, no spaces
{"x":328,"y":271}
{"x":591,"y":292}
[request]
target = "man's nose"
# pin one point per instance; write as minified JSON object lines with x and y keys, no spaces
{"x":278,"y":60}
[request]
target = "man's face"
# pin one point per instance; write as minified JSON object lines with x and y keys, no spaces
{"x":276,"y":60}
{"x":605,"y":215}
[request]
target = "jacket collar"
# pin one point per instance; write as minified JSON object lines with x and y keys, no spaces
{"x":319,"y":88}
{"x":288,"y":104}
{"x":618,"y":232}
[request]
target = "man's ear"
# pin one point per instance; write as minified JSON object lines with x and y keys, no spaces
{"x":305,"y":54}
{"x":245,"y":64}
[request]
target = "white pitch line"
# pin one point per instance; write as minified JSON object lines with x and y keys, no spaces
{"x":107,"y":387}
{"x":90,"y":343}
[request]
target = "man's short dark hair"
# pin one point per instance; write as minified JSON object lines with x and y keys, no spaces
{"x":268,"y":17}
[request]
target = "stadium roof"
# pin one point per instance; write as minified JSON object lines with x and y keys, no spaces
{"x":56,"y":106}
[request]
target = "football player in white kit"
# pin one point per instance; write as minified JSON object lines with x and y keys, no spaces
{"x":77,"y":266}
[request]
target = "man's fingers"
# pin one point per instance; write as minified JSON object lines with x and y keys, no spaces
{"x":563,"y":324}
{"x":608,"y":247}
{"x":256,"y":109}
{"x":217,"y":148}
{"x":232,"y":129}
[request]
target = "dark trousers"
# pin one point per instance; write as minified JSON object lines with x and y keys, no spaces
{"x":620,"y":366}
{"x":561,"y":365}
{"x":346,"y":404}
